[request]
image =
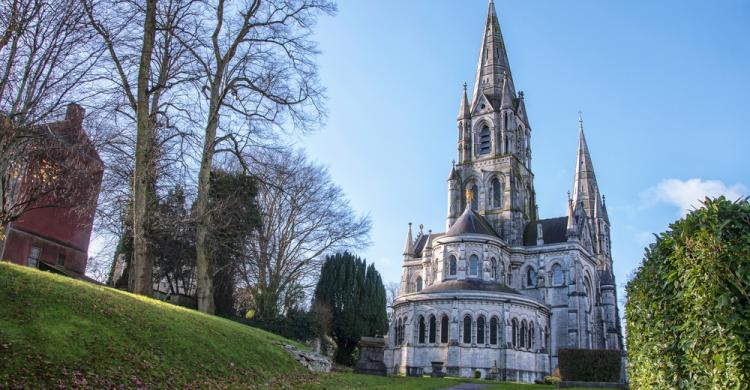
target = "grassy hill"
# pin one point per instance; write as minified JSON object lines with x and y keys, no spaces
{"x":59,"y":331}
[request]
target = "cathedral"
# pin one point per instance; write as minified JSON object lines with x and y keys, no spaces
{"x":501,"y":290}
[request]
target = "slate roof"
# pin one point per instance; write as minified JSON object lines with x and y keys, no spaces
{"x":470,"y":223}
{"x":422,"y":241}
{"x":470,"y":285}
{"x":554,"y":230}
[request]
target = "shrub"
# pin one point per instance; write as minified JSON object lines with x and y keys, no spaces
{"x":589,"y":365}
{"x":688,"y":308}
{"x":477,"y":374}
{"x":551,"y":380}
{"x":296,"y":325}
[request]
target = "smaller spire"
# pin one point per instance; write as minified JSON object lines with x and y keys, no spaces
{"x":409,"y":247}
{"x":428,"y":245}
{"x":508,"y":96}
{"x":454,"y":173}
{"x":463,"y":110}
{"x":605,"y":215}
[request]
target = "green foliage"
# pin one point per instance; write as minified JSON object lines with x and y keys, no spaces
{"x":297,"y":325}
{"x":234,"y":216}
{"x":551,"y":380}
{"x":173,"y":240}
{"x":477,"y":374}
{"x":373,"y":304}
{"x":589,"y":365}
{"x":688,"y":309}
{"x":354,"y":296}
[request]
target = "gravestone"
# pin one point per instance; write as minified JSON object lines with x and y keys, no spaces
{"x":371,"y":356}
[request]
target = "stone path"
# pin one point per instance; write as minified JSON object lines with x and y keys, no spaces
{"x":466,"y":386}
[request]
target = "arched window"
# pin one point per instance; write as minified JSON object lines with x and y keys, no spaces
{"x":485,"y":144}
{"x":493,"y":271}
{"x":444,"y":329}
{"x":589,"y":293}
{"x":419,"y":283}
{"x":497,"y":193}
{"x":522,"y":342}
{"x":530,"y":277}
{"x":467,"y":329}
{"x":433,"y":324}
{"x":452,"y":265}
{"x":531,"y":335}
{"x":421,"y":330}
{"x":480,"y":330}
{"x":475,"y":197}
{"x":473,"y":265}
{"x":557,"y":275}
{"x":493,"y":330}
{"x":514,"y":332}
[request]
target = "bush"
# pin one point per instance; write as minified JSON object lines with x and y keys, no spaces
{"x":477,"y":374}
{"x":551,"y":380}
{"x":589,"y":365}
{"x":688,"y":308}
{"x":296,"y":325}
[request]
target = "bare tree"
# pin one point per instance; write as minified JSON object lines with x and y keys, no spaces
{"x":45,"y":59}
{"x":143,"y":75}
{"x":304,"y":216}
{"x":255,"y":71}
{"x":45,"y":63}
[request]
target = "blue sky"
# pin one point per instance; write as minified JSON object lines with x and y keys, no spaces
{"x":664,"y":87}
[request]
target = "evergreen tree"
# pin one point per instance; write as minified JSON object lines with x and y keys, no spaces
{"x":355,"y":296}
{"x":235,"y":215}
{"x":373,"y":304}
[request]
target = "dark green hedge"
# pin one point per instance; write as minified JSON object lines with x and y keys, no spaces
{"x":589,"y":365}
{"x":688,"y":308}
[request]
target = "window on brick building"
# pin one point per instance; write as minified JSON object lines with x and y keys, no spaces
{"x":61,"y":260}
{"x":34,"y":253}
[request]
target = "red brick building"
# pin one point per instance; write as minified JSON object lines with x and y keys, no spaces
{"x":55,"y":236}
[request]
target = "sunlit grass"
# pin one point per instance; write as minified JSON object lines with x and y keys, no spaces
{"x":59,"y":331}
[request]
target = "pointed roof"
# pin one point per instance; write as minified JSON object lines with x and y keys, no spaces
{"x":470,"y":223}
{"x":605,"y":215}
{"x":463,"y":109}
{"x":493,"y":62}
{"x":585,"y":188}
{"x":454,"y":174}
{"x":409,"y":247}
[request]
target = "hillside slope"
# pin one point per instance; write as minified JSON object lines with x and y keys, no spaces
{"x":56,"y":331}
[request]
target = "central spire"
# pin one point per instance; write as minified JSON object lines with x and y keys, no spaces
{"x":493,"y":67}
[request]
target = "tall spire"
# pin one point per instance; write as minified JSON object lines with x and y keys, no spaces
{"x":409,"y":247}
{"x":493,"y":62}
{"x":463,"y":110}
{"x":585,"y":188}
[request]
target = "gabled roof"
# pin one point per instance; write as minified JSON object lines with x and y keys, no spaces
{"x":470,"y":223}
{"x":553,"y":231}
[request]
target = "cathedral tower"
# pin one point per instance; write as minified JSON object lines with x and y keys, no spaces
{"x":494,"y":150}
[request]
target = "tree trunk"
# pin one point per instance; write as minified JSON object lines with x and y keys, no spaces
{"x":143,"y":178}
{"x":204,"y":293}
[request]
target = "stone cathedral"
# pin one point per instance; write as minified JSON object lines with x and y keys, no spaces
{"x":501,"y":289}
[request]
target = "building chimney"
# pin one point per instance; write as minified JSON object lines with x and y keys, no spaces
{"x":74,"y":114}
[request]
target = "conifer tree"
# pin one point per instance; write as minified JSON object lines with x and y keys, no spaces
{"x":355,"y":296}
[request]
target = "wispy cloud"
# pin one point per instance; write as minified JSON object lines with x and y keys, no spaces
{"x":688,"y":194}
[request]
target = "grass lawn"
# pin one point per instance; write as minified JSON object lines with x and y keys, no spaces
{"x":56,"y":331}
{"x":60,"y":332}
